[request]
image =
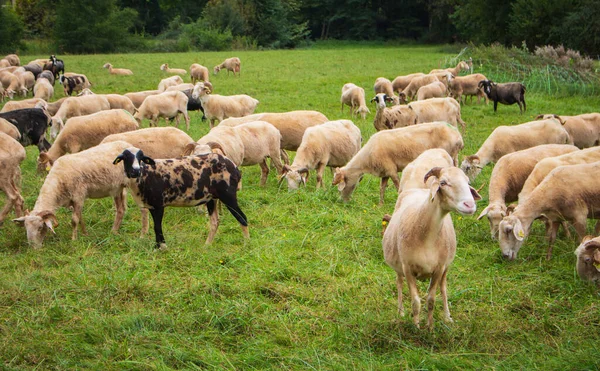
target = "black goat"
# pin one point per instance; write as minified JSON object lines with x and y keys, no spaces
{"x":507,"y":93}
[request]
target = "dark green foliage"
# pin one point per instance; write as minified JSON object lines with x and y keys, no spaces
{"x":580,"y":29}
{"x":11,"y":31}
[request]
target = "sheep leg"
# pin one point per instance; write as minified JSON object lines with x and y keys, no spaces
{"x":213,"y":221}
{"x":444,"y":292}
{"x":145,"y":224}
{"x":551,"y":235}
{"x":436,"y":279}
{"x":77,"y":220}
{"x":399,"y":283}
{"x":284,"y":156}
{"x":495,"y":105}
{"x":580,"y":227}
{"x":414,"y":294}
{"x":120,"y":210}
{"x":157,"y":216}
{"x":264,"y":172}
{"x":187,"y":119}
{"x":382,"y":187}
{"x":233,"y":207}
{"x":565,"y":226}
{"x":320,"y":171}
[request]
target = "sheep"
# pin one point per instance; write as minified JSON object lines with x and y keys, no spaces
{"x":53,"y":107}
{"x":291,"y":125}
{"x":137,"y":98}
{"x":116,"y":101}
{"x":414,"y":172}
{"x":9,"y":129}
{"x":545,"y":166}
{"x":383,"y":85}
{"x":74,"y":83}
{"x":46,"y":75}
{"x":219,"y":107}
{"x":455,"y":71}
{"x":194,"y":104}
{"x":26,"y":103}
{"x":73,"y":179}
{"x":584,"y":129}
{"x":56,"y":66}
{"x":118,"y":71}
{"x":85,"y":132}
{"x":13,"y":59}
{"x":12,"y":154}
{"x":231,"y":64}
{"x":507,"y":139}
{"x":32,"y":124}
{"x":169,"y":81}
{"x":77,"y":106}
{"x":588,"y":259}
{"x":43,"y":89}
{"x":26,"y":78}
{"x":508,"y":93}
{"x":467,"y":86}
{"x":420,"y":241}
{"x":331,"y":144}
{"x":354,"y":96}
{"x":401,"y":82}
{"x":385,"y":117}
{"x":389,"y":151}
{"x":12,"y":84}
{"x":168,"y":105}
{"x":183,"y":182}
{"x":509,"y":175}
{"x":180,"y":87}
{"x":4,"y":63}
{"x":430,"y":110}
{"x":36,"y":69}
{"x":247,"y":144}
{"x":412,"y":88}
{"x":176,"y":71}
{"x":566,"y":193}
{"x":434,"y":90}
{"x":40,"y":62}
{"x":199,"y":73}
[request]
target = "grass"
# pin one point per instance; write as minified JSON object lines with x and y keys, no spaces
{"x":310,"y":289}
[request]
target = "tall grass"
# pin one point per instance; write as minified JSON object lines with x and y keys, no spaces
{"x":309,"y":290}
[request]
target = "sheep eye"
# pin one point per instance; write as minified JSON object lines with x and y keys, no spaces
{"x":443,"y":183}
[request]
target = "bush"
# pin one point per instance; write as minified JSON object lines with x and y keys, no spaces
{"x":196,"y":36}
{"x":11,"y":31}
{"x":568,"y":58}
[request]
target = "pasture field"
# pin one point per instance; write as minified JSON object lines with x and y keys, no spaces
{"x":310,"y":290}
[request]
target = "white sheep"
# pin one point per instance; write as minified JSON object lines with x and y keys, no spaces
{"x":22,"y":104}
{"x":13,"y":59}
{"x":507,"y":139}
{"x":77,"y":106}
{"x":118,"y":71}
{"x":414,"y":173}
{"x":584,"y":129}
{"x":137,"y":98}
{"x":230,"y":64}
{"x":455,"y":71}
{"x":384,"y":86}
{"x":401,"y":82}
{"x":412,"y":88}
{"x":429,"y":110}
{"x":169,"y":81}
{"x":219,"y":107}
{"x":26,"y":78}
{"x":12,"y":154}
{"x":420,"y":241}
{"x":12,"y":84}
{"x":168,"y":105}
{"x":467,"y":86}
{"x":331,"y":144}
{"x":389,"y":151}
{"x":9,"y":129}
{"x":386,"y":117}
{"x":43,"y":89}
{"x":199,"y":73}
{"x":176,"y":71}
{"x":116,"y":101}
{"x":509,"y":176}
{"x":588,"y":259}
{"x":434,"y":90}
{"x":354,"y":96}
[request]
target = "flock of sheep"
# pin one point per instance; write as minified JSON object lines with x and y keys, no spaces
{"x":541,"y":164}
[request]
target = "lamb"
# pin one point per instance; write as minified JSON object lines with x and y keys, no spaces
{"x":176,"y":71}
{"x":73,"y":179}
{"x":74,"y":83}
{"x":246,"y":144}
{"x":183,"y":182}
{"x":434,"y":90}
{"x":509,"y":176}
{"x":584,"y":129}
{"x":26,"y":103}
{"x":115,"y":101}
{"x":389,"y":151}
{"x":291,"y":125}
{"x":118,"y":71}
{"x":354,"y":96}
{"x":77,"y":106}
{"x":508,"y":93}
{"x":401,"y":82}
{"x":231,"y":64}
{"x":32,"y":124}
{"x":85,"y":132}
{"x":420,"y":241}
{"x":12,"y":154}
{"x":43,"y":89}
{"x":385,"y":117}
{"x":199,"y":73}
{"x":455,"y":71}
{"x":413,"y":173}
{"x":13,"y":59}
{"x":467,"y":86}
{"x":169,"y":81}
{"x":588,"y":259}
{"x":9,"y":129}
{"x":508,"y":139}
{"x":383,"y":85}
{"x":566,"y":193}
{"x":168,"y":105}
{"x":219,"y":107}
{"x":545,"y":166}
{"x":137,"y":98}
{"x":332,"y":144}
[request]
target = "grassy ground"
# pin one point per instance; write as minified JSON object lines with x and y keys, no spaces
{"x":310,"y":289}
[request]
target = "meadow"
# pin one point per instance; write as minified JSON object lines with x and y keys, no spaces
{"x":310,"y":289}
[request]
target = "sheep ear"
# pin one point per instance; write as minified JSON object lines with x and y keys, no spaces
{"x":586,"y":239}
{"x":118,"y":159}
{"x":483,"y":213}
{"x":475,"y":194}
{"x":539,"y":117}
{"x":510,"y":209}
{"x":148,"y":160}
{"x":518,"y":231}
{"x":373,"y":100}
{"x":286,"y":169}
{"x":19,"y":221}
{"x":189,"y":149}
{"x":434,"y":188}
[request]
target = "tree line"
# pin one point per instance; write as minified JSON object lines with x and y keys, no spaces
{"x":76,"y":26}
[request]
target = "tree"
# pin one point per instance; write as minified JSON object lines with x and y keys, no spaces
{"x":11,"y":30}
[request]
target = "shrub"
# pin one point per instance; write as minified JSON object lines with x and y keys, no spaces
{"x":11,"y":31}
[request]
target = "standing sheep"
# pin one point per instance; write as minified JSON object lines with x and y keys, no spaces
{"x":231,"y":64}
{"x":584,"y":129}
{"x":168,"y":82}
{"x":467,"y":86}
{"x":386,"y":117}
{"x":77,"y":106}
{"x":199,"y":73}
{"x":401,"y":82}
{"x":168,"y":105}
{"x":43,"y":89}
{"x":219,"y":107}
{"x":434,"y":90}
{"x":508,"y":93}
{"x":354,"y":96}
{"x":12,"y":154}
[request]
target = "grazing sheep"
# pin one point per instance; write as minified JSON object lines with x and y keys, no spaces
{"x":332,"y":144}
{"x":26,"y":78}
{"x":73,"y":179}
{"x":412,"y":88}
{"x":401,"y":82}
{"x":507,"y":139}
{"x":46,"y":75}
{"x":467,"y":86}
{"x":118,"y":71}
{"x":32,"y":124}
{"x":420,"y":241}
{"x":137,"y":98}
{"x":434,"y":90}
{"x":12,"y":84}
{"x":354,"y":96}
{"x":26,"y":103}
{"x":74,"y":83}
{"x":169,"y":81}
{"x":413,"y":173}
{"x":13,"y":59}
{"x":509,"y":176}
{"x":85,"y":132}
{"x":508,"y":93}
{"x":390,"y":151}
{"x":43,"y":89}
{"x":384,"y":86}
{"x":430,"y":110}
{"x":291,"y":125}
{"x":219,"y":107}
{"x":9,"y":129}
{"x":168,"y":105}
{"x":176,"y":71}
{"x":385,"y":117}
{"x":588,"y":259}
{"x":77,"y":106}
{"x":199,"y":73}
{"x":116,"y":101}
{"x":455,"y":71}
{"x":566,"y":193}
{"x":183,"y":182}
{"x":12,"y":154}
{"x":584,"y":129}
{"x":37,"y":70}
{"x":231,"y":64}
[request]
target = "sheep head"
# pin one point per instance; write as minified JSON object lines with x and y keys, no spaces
{"x":164,"y":67}
{"x":495,"y":212}
{"x":511,"y":235}
{"x":216,"y":70}
{"x":344,"y":183}
{"x":294,"y":176}
{"x":37,"y":225}
{"x":471,"y":166}
{"x":133,"y":158}
{"x":451,"y":186}
{"x":57,"y":125}
{"x":588,"y":259}
{"x":44,"y":162}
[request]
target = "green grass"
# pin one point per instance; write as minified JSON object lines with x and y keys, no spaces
{"x":310,"y":289}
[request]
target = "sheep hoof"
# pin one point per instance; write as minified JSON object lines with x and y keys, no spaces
{"x":448,"y":319}
{"x":161,"y":246}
